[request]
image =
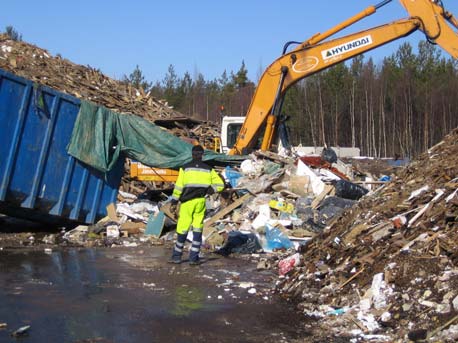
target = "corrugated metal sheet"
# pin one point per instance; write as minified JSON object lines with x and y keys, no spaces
{"x":38,"y":179}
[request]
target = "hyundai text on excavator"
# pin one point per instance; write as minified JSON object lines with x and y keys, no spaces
{"x":317,"y":53}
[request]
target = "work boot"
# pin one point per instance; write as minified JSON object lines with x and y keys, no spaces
{"x":174,"y":261}
{"x":178,"y":249}
{"x":195,"y":263}
{"x":195,"y":248}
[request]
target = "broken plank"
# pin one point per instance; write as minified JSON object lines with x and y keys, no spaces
{"x":350,"y":279}
{"x":327,"y":190}
{"x":227,"y":210}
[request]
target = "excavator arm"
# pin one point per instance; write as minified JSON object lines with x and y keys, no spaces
{"x":316,"y":54}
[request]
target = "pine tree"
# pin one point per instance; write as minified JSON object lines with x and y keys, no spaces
{"x":137,"y":79}
{"x":240,"y":79}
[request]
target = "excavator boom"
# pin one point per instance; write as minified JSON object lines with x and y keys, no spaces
{"x":317,"y":53}
{"x":435,"y":22}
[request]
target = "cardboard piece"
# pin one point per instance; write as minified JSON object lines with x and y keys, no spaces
{"x":300,"y":185}
{"x":133,"y":227}
{"x":317,"y":184}
{"x":155,"y":224}
{"x":111,"y":212}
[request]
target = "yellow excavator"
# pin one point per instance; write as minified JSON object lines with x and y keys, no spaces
{"x":318,"y":53}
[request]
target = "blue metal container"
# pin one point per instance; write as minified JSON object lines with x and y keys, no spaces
{"x":38,"y":179}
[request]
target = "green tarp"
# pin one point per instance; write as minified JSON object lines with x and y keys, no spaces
{"x":101,"y":136}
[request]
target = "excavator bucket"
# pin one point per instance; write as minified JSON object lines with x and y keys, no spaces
{"x":437,"y":23}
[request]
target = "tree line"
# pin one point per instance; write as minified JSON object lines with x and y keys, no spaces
{"x":400,"y":106}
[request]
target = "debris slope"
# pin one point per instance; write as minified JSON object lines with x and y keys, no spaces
{"x":389,"y":264}
{"x":85,"y":82}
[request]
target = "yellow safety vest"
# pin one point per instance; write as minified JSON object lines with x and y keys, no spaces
{"x":194,"y":180}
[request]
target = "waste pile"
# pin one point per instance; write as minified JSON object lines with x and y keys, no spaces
{"x":84,"y":82}
{"x":386,"y":268}
{"x":192,"y":130}
{"x":271,"y":204}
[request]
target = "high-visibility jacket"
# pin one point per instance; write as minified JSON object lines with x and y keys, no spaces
{"x":194,"y":180}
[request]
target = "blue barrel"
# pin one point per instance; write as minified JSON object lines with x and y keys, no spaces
{"x":38,"y":179}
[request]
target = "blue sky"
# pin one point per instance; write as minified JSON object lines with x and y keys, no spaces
{"x":198,"y":36}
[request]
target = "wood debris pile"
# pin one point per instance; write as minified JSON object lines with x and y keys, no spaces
{"x":192,"y":130}
{"x":389,"y":264}
{"x":84,"y":82}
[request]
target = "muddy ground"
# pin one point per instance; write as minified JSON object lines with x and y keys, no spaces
{"x":133,"y":295}
{"x":119,"y":294}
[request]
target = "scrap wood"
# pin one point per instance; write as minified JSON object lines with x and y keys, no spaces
{"x":328,"y":189}
{"x":355,"y":232}
{"x":358,"y":324}
{"x":367,"y":259}
{"x":442,"y":327}
{"x":370,"y":182}
{"x":111,"y":211}
{"x":379,"y":227}
{"x":352,"y":278}
{"x":228,"y":209}
{"x":29,"y":61}
{"x":274,"y":157}
{"x":418,"y":215}
{"x":411,"y":272}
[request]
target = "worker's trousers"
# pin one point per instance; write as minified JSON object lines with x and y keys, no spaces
{"x":191,"y":217}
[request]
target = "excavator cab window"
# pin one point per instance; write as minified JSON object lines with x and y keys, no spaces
{"x":233,"y":130}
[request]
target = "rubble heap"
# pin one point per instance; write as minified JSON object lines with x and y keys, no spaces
{"x":389,"y":264}
{"x":84,"y":82}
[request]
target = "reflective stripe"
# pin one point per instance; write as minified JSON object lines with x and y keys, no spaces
{"x":196,"y":229}
{"x":204,"y":185}
{"x":179,"y":244}
{"x":178,"y":249}
{"x":178,"y":188}
{"x":197,"y":170}
{"x":218,"y":187}
{"x":195,"y":249}
{"x":196,"y":243}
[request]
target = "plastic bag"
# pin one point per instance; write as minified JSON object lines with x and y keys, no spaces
{"x":238,"y":242}
{"x":287,"y":264}
{"x":232,"y":176}
{"x":276,"y":239}
{"x":329,"y":155}
{"x":348,"y":190}
{"x":332,"y":206}
{"x":282,"y":206}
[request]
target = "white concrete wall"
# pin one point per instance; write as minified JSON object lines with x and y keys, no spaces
{"x":340,"y":151}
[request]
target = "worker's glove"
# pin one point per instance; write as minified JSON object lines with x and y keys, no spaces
{"x":174,"y":206}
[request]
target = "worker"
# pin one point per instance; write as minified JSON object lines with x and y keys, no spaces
{"x":195,"y":180}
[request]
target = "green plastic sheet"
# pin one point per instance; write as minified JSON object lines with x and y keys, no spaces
{"x":101,"y":136}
